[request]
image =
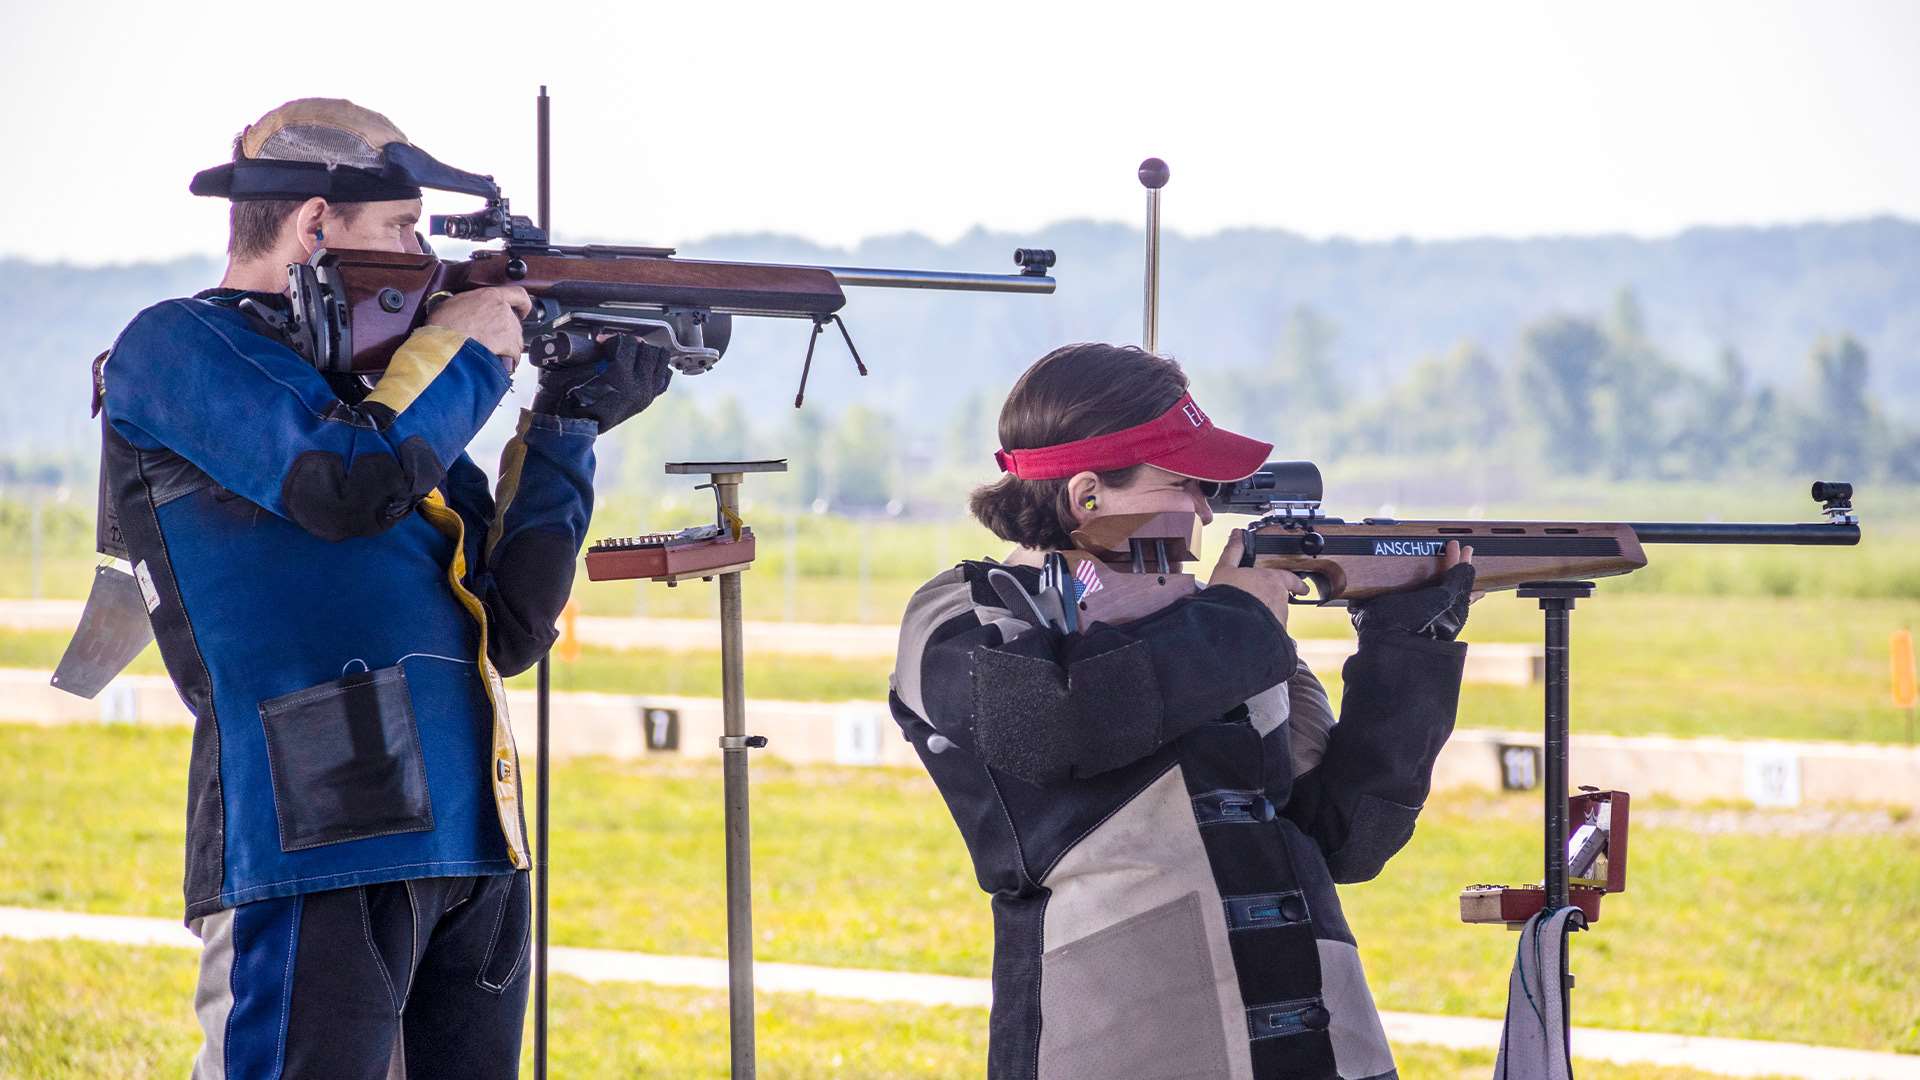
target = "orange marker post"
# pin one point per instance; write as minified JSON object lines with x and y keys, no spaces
{"x":1904,"y":692}
{"x":570,"y":632}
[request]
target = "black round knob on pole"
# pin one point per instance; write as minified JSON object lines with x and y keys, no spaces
{"x":1154,"y":173}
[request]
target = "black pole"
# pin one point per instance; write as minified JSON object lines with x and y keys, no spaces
{"x":540,"y":883}
{"x":543,"y":696}
{"x":545,"y":175}
{"x":1558,"y":612}
{"x":1812,"y":534}
{"x":1556,"y":602}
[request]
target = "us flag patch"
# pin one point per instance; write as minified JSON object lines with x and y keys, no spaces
{"x":1086,"y":579}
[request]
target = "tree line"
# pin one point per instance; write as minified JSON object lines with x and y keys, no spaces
{"x":1586,"y":396}
{"x":1579,"y":396}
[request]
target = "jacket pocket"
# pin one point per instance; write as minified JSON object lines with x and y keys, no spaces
{"x":345,"y":761}
{"x":1137,"y":1000}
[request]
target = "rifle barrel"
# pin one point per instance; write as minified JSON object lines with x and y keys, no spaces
{"x":1669,"y":532}
{"x":953,"y":280}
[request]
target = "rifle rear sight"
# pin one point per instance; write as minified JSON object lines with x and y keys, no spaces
{"x":496,"y":222}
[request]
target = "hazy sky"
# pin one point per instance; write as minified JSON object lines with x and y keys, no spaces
{"x":838,"y":121}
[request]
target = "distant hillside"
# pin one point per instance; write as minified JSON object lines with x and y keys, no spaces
{"x":1768,"y":292}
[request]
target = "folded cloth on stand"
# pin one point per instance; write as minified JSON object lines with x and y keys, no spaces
{"x":1534,"y":1044}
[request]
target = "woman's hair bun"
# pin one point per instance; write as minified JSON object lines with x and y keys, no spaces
{"x":1074,"y":392}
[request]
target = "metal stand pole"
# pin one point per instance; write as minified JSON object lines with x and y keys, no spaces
{"x":1558,"y":611}
{"x":724,"y":477}
{"x":1153,"y":177}
{"x":1556,"y":602}
{"x":734,"y":744}
{"x":540,"y":875}
{"x":544,"y":699}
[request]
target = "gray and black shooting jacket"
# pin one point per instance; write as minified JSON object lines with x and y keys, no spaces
{"x":1160,"y":810}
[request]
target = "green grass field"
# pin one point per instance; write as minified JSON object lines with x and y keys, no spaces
{"x":1740,"y":666}
{"x":1774,"y":642}
{"x":102,"y":1011}
{"x":825,"y":568}
{"x":1798,"y":937}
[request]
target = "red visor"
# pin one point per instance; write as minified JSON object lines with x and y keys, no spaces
{"x":1181,"y":440}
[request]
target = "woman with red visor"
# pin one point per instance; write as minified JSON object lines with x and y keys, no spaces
{"x":1161,"y":805}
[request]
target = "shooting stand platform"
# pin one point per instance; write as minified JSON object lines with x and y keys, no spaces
{"x":1579,"y":868}
{"x":721,"y":550}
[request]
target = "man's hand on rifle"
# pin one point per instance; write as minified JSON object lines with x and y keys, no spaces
{"x":623,"y":377}
{"x":490,"y":316}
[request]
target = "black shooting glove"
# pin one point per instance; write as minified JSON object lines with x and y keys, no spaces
{"x":623,"y":377}
{"x":1437,"y":611}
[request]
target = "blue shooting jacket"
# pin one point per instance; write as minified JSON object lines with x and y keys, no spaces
{"x":337,"y":594}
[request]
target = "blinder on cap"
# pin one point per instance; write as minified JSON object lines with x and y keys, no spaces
{"x":333,"y":149}
{"x":255,"y":181}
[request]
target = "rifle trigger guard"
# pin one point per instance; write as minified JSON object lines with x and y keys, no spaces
{"x":1318,"y":590}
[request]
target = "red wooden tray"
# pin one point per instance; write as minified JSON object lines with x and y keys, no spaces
{"x":665,"y":557}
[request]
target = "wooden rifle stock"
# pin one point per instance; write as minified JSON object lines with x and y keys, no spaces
{"x":1360,"y":561}
{"x":360,"y":305}
{"x":1138,"y":560}
{"x":1344,"y":560}
{"x":587,"y":276}
{"x":352,"y":309}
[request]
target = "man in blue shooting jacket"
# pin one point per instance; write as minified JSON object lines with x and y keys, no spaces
{"x":337,"y":596}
